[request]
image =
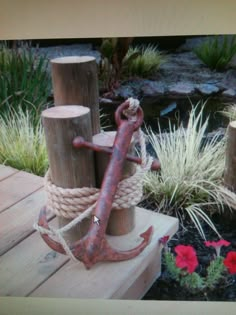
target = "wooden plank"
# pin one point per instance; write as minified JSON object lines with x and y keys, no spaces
{"x":6,"y":171}
{"x":16,"y":222}
{"x":45,"y":306}
{"x":139,"y":18}
{"x":114,"y":280}
{"x":16,"y":187}
{"x":27,"y":265}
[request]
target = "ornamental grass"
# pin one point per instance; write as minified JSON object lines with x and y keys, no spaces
{"x":189,"y":182}
{"x":217,"y":52}
{"x":142,"y":61}
{"x":24,"y":80}
{"x":22,"y":142}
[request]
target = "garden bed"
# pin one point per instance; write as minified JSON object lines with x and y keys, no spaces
{"x":167,"y":289}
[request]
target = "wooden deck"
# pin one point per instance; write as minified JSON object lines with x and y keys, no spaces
{"x":29,"y":268}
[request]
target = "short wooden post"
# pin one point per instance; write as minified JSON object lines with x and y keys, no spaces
{"x":70,"y":168}
{"x":230,"y":159}
{"x":121,"y":221}
{"x":75,"y":82}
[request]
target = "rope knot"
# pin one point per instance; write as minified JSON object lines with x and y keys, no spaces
{"x":131,"y":111}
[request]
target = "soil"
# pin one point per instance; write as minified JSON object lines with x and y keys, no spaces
{"x":167,"y":289}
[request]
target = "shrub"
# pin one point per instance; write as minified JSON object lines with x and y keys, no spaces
{"x":24,"y":81}
{"x":22,"y":144}
{"x":142,"y":61}
{"x":113,"y":51}
{"x":191,"y":171}
{"x":216,"y":53}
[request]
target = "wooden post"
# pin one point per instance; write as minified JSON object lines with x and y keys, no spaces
{"x":230,"y":160}
{"x":121,"y":221}
{"x":70,"y":168}
{"x":75,"y":82}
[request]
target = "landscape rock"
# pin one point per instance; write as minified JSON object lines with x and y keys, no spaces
{"x":230,"y":79}
{"x":207,"y":89}
{"x":183,"y":88}
{"x":152,"y":88}
{"x":229,"y":93}
{"x":124,"y":91}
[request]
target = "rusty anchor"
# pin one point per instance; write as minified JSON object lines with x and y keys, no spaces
{"x":93,"y":247}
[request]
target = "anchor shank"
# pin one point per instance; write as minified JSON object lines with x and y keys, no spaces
{"x":113,"y":175}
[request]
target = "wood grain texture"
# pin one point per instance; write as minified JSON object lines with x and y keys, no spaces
{"x":6,"y":171}
{"x":16,"y":223}
{"x":75,"y":82}
{"x":27,"y":265}
{"x":17,"y":187}
{"x":123,"y":18}
{"x":69,"y":167}
{"x":113,"y":280}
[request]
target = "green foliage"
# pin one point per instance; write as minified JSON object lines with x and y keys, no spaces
{"x":215,"y":271}
{"x":194,"y":281}
{"x":189,"y":181}
{"x":119,"y":61}
{"x":24,"y":81}
{"x":106,"y":70}
{"x":142,"y":61}
{"x":22,"y":142}
{"x":108,"y":48}
{"x":169,"y":261}
{"x":217,"y":53}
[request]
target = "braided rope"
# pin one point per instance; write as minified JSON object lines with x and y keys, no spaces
{"x":79,"y":203}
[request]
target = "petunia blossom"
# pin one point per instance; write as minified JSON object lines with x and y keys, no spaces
{"x":164,"y":239}
{"x":164,"y":242}
{"x":186,"y":258}
{"x":217,"y":245}
{"x":230,"y":262}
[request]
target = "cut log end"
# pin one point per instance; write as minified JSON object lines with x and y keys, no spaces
{"x":232,"y":124}
{"x":73,"y":59}
{"x":67,"y":111}
{"x":105,"y":138}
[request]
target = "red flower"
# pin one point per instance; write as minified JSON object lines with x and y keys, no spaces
{"x":217,"y":245}
{"x":186,"y":258}
{"x":164,"y":239}
{"x":230,"y":262}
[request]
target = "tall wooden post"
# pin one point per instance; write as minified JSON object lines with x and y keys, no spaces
{"x":230,"y":159}
{"x":75,"y":82}
{"x":69,"y":168}
{"x":121,"y":221}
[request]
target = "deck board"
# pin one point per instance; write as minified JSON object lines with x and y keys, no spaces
{"x":6,"y":171}
{"x":27,"y":265}
{"x":16,"y":187}
{"x":16,"y":223}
